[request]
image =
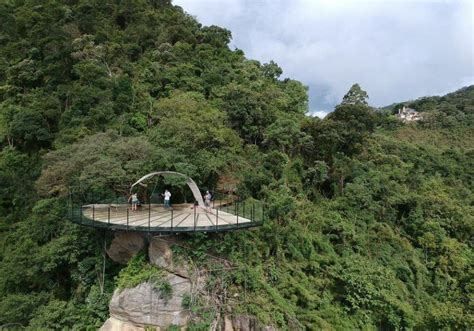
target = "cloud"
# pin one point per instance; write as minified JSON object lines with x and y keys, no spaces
{"x":395,"y":49}
{"x":320,"y":113}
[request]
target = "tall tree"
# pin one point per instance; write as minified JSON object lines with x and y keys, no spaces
{"x":355,"y":96}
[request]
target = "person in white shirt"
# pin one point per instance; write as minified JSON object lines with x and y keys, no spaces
{"x":167,"y":196}
{"x":207,"y":199}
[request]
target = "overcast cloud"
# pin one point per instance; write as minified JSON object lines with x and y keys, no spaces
{"x":396,"y":50}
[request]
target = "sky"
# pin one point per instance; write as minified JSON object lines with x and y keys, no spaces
{"x":397,"y":50}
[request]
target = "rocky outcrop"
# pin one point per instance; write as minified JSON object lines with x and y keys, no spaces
{"x":160,"y":254}
{"x":142,"y":305}
{"x":125,"y":245}
{"x":136,"y":308}
{"x":113,"y":324}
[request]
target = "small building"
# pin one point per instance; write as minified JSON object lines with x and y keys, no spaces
{"x":409,"y":114}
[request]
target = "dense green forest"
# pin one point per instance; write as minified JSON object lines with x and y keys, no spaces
{"x":370,"y":221}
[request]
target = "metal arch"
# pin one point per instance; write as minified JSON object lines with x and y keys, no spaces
{"x":192,"y":185}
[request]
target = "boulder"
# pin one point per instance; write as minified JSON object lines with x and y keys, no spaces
{"x":125,"y":245}
{"x":227,"y":324}
{"x":160,"y":254}
{"x":143,"y":306}
{"x":113,"y":324}
{"x":244,"y":323}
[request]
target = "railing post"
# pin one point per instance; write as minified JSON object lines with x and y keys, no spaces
{"x":93,"y":212}
{"x":149,"y":213}
{"x":251,"y":213}
{"x":127,"y":217}
{"x":194,"y":207}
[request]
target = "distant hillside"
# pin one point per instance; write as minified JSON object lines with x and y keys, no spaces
{"x":455,"y":107}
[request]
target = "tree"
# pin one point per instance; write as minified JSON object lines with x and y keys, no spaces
{"x":104,"y":162}
{"x":193,"y":136}
{"x":355,"y":96}
{"x":285,"y":134}
{"x":271,"y":70}
{"x":346,"y":129}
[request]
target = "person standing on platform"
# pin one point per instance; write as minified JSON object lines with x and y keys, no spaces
{"x":167,"y":196}
{"x":135,"y":201}
{"x":207,"y":199}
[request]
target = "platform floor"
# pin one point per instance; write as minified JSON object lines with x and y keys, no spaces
{"x":155,"y":216}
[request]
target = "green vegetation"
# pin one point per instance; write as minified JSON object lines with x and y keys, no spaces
{"x":138,"y":271}
{"x":370,"y":222}
{"x":454,"y":110}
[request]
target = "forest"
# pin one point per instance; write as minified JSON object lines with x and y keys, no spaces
{"x":370,"y":220}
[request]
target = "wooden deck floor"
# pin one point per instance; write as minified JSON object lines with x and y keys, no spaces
{"x":156,"y":216}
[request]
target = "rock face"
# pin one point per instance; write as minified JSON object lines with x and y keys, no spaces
{"x":124,"y":246}
{"x":113,"y":324}
{"x":160,"y":254}
{"x":142,"y":305}
{"x":136,"y":308}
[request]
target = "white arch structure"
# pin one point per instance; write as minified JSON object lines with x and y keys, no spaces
{"x":192,"y":185}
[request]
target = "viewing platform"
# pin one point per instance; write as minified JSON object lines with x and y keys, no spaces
{"x":155,"y":218}
{"x":221,"y":215}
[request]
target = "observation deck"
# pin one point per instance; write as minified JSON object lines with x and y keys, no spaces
{"x":154,"y":218}
{"x":222,"y":215}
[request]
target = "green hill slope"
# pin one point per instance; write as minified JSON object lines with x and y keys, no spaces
{"x":370,"y":223}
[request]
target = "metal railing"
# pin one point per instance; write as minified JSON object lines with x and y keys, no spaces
{"x":222,"y":215}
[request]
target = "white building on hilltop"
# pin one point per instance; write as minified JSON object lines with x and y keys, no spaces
{"x":408,"y":114}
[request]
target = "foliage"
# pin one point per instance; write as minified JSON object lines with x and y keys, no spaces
{"x":453,"y":110}
{"x":370,"y":221}
{"x":45,"y":249}
{"x":355,"y":96}
{"x":138,"y":271}
{"x":165,"y":289}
